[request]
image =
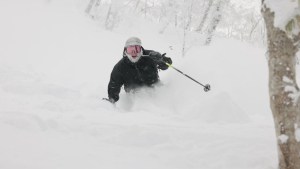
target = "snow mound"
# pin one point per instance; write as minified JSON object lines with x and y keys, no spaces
{"x":220,"y":109}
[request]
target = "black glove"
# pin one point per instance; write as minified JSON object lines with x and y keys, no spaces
{"x":162,"y":65}
{"x":110,"y":100}
{"x":166,"y":59}
{"x":161,"y":60}
{"x":113,"y":98}
{"x":156,"y":56}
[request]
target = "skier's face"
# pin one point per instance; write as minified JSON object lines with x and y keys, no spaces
{"x":133,"y":50}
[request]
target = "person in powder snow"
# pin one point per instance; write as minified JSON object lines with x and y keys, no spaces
{"x":138,"y":67}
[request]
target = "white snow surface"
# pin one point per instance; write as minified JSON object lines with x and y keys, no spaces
{"x":54,"y":70}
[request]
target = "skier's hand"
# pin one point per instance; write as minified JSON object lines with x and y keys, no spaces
{"x":111,"y":100}
{"x":166,"y":59}
{"x":156,"y":56}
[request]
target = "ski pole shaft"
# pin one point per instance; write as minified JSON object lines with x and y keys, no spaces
{"x":184,"y":74}
{"x":206,"y":87}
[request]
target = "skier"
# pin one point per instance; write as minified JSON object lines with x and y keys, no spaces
{"x":138,"y":67}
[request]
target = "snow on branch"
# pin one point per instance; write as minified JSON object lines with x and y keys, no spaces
{"x":287,"y":15}
{"x":283,"y":138}
{"x":297,"y":132}
{"x":294,"y":94}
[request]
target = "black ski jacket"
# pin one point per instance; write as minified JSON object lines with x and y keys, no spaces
{"x":133,"y":75}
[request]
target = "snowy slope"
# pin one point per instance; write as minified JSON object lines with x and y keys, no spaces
{"x":54,"y":70}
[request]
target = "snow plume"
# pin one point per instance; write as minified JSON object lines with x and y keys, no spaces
{"x":284,"y":12}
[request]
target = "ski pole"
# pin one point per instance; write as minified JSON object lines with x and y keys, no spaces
{"x":206,"y":87}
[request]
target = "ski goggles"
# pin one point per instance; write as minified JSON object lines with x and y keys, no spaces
{"x":133,"y":50}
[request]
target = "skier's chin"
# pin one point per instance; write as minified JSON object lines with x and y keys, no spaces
{"x":134,"y":58}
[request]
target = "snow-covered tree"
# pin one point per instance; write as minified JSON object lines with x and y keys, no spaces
{"x":227,"y":18}
{"x":282,"y":19}
{"x":217,"y":15}
{"x":92,"y":6}
{"x":204,"y":17}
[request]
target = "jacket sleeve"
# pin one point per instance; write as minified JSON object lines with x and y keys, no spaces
{"x":115,"y":83}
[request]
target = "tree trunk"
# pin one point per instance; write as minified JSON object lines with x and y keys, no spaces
{"x":187,"y":25}
{"x":214,"y":23}
{"x":98,"y":2}
{"x":254,"y":26}
{"x":90,"y":6}
{"x":283,"y":91}
{"x":204,"y":18}
{"x":146,"y":8}
{"x":137,"y":4}
{"x":109,"y":19}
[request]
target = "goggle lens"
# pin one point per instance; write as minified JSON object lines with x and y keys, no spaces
{"x":133,"y":50}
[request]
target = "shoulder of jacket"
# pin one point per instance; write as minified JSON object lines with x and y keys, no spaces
{"x":146,"y":52}
{"x":119,"y":64}
{"x":146,"y":60}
